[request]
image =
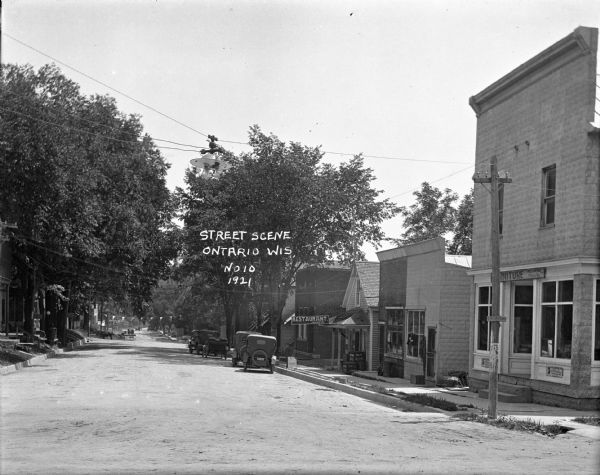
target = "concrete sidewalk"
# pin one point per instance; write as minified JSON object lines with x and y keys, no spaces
{"x":373,"y":387}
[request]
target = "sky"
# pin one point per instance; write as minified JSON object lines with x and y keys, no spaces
{"x":388,"y":79}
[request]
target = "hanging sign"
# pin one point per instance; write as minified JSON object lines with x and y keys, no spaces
{"x":309,"y":319}
{"x":523,"y":274}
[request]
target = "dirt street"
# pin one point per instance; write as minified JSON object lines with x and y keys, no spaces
{"x":148,"y":406}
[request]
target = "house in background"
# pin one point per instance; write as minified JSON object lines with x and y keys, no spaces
{"x":360,"y":324}
{"x":424,"y":299}
{"x":537,"y":120}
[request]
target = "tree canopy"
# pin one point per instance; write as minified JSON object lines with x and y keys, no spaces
{"x":328,"y":211}
{"x":85,"y":187}
{"x":434,"y":215}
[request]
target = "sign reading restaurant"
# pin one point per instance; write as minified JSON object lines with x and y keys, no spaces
{"x":523,"y":274}
{"x":309,"y":319}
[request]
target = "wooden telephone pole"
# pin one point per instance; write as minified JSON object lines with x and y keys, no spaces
{"x":494,"y":318}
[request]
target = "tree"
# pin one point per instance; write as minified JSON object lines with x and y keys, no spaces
{"x":87,"y":191}
{"x":328,"y":211}
{"x":463,"y":228}
{"x":431,"y":216}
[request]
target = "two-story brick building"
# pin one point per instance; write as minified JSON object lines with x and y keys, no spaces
{"x":537,"y":120}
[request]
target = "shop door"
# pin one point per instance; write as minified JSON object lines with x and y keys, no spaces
{"x":519,"y":361}
{"x":431,"y":352}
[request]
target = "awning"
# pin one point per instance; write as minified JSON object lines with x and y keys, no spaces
{"x":355,"y":318}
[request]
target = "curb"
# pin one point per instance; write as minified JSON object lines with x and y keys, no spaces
{"x":386,"y":400}
{"x":27,"y":363}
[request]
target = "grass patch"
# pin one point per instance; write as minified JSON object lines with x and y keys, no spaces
{"x":426,"y":400}
{"x":511,"y":423}
{"x":592,"y":421}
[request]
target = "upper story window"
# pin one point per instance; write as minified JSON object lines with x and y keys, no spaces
{"x":357,"y":294}
{"x":548,"y":195}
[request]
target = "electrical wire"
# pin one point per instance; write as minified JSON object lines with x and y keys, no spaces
{"x":95,"y":134}
{"x":156,"y":139}
{"x":193,"y":129}
{"x":104,"y":84}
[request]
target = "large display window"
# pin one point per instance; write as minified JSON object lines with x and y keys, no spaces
{"x":557,"y":319}
{"x":395,"y":332}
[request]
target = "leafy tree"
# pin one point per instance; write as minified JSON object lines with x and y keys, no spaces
{"x":87,"y":191}
{"x":328,"y":211}
{"x":463,"y":228}
{"x":431,"y":216}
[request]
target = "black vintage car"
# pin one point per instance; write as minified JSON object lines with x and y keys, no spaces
{"x":199,"y":339}
{"x":259,"y":352}
{"x":215,"y":347}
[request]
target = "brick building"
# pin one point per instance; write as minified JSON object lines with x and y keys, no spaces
{"x":537,"y":121}
{"x":424,"y":299}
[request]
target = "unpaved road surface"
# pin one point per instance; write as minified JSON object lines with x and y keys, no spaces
{"x":148,"y":406}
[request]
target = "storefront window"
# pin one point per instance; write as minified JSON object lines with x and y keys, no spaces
{"x":395,"y":331}
{"x":557,"y":319}
{"x":522,"y":318}
{"x":597,"y":323}
{"x":415,"y":329}
{"x":484,"y":308}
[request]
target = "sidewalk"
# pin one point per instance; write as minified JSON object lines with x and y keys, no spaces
{"x":372,"y":387}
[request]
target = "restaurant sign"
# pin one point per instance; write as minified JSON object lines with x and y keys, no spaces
{"x":309,"y":319}
{"x":523,"y":274}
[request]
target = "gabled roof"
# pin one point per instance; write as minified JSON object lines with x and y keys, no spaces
{"x":368,"y":274}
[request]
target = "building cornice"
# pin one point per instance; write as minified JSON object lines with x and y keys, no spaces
{"x":581,"y":42}
{"x":575,"y":262}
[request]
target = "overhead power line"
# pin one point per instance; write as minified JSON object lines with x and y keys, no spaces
{"x":104,"y":84}
{"x":193,"y":129}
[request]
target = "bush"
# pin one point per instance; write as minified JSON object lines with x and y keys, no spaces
{"x":431,"y":401}
{"x":511,"y":423}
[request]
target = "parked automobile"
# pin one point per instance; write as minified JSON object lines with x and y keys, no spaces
{"x":239,"y":346}
{"x":259,"y":352}
{"x":199,"y":339}
{"x":216,"y":347}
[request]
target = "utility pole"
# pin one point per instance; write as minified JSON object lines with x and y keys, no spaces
{"x":494,"y":318}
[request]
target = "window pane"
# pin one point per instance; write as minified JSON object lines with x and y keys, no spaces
{"x":564,"y":322}
{"x":550,"y":182}
{"x":547,"y":338}
{"x":549,"y":211}
{"x":482,"y":329}
{"x":484,"y":295}
{"x":565,"y":291}
{"x":598,"y":290}
{"x":523,"y":329}
{"x":524,"y":294}
{"x":549,"y":292}
{"x":597,"y":333}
